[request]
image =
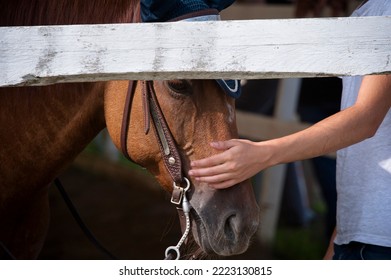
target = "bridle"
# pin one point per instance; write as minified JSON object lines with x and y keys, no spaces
{"x":167,"y":145}
{"x":171,"y":158}
{"x":168,"y":150}
{"x":172,"y":161}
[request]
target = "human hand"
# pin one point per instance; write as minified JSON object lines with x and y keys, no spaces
{"x":238,"y":162}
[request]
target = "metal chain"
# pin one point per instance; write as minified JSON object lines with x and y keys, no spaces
{"x":186,"y":207}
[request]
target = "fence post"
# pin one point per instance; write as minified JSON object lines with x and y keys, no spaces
{"x":273,"y":179}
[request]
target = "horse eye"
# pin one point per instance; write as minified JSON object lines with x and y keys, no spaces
{"x":179,"y":86}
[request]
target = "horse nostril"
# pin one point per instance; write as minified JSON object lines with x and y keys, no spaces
{"x":229,"y":227}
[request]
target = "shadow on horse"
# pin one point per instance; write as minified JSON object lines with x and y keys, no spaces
{"x":160,"y":125}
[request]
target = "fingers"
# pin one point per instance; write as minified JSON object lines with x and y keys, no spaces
{"x":218,"y":177}
{"x":212,"y":167}
{"x":209,"y":162}
{"x":212,"y":160}
{"x":224,"y":184}
{"x":215,"y":159}
{"x":218,"y":181}
{"x":222,"y":145}
{"x":215,"y":170}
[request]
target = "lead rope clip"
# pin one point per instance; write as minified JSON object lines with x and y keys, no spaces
{"x":186,"y":211}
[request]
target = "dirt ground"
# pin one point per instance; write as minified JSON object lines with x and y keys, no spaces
{"x":125,"y":210}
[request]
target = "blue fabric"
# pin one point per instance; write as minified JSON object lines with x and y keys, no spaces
{"x":361,"y":251}
{"x":230,"y":87}
{"x":164,"y":10}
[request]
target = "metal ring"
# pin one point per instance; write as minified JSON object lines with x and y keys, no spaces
{"x":187,"y":182}
{"x":173,"y":248}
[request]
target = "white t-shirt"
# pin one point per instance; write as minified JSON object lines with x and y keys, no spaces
{"x":364,"y":169}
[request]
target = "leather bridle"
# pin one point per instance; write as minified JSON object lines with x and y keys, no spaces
{"x":168,"y":150}
{"x":166,"y":141}
{"x":152,"y":111}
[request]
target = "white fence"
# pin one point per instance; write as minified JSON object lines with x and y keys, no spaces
{"x":240,"y":49}
{"x":247,"y":49}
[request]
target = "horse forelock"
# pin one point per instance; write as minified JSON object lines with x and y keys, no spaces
{"x":63,"y":12}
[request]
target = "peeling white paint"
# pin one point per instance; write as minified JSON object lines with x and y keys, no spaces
{"x":247,"y":49}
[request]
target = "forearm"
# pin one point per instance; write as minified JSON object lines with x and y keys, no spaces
{"x":340,"y":130}
{"x":330,"y":249}
{"x":240,"y":159}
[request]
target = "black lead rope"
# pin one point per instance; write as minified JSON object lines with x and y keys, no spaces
{"x":80,"y":222}
{"x":78,"y":219}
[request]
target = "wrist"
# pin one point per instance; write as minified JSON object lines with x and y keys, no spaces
{"x":266,"y":154}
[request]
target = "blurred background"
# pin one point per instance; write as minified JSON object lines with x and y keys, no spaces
{"x":132,"y":217}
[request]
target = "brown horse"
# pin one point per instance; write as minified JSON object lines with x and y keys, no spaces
{"x":43,"y":129}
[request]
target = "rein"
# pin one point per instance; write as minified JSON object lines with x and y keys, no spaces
{"x":168,"y":150}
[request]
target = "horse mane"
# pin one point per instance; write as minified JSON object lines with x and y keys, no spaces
{"x":64,"y":12}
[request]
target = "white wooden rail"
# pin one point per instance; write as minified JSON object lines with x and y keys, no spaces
{"x":240,"y":49}
{"x":246,"y":49}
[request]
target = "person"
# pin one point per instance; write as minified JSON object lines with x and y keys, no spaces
{"x":359,"y":132}
{"x":260,"y":97}
{"x":320,"y":98}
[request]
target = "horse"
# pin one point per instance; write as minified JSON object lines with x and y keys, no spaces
{"x":44,"y":128}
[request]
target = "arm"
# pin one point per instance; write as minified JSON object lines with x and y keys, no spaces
{"x":330,"y":250}
{"x":242,"y":159}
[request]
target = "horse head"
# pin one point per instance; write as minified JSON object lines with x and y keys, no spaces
{"x":196,"y":113}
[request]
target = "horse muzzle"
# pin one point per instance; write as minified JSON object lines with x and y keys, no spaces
{"x":224,"y":220}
